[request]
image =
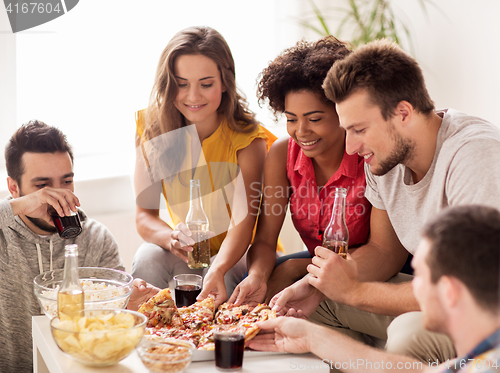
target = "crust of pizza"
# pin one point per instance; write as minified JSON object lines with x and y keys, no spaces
{"x":208,"y":303}
{"x":161,"y":310}
{"x":209,"y":346}
{"x":160,"y":297}
{"x":260,"y":313}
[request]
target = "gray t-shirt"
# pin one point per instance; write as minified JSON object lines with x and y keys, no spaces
{"x":465,"y":170}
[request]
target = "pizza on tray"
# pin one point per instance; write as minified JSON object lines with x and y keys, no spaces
{"x":161,"y":311}
{"x":196,"y":323}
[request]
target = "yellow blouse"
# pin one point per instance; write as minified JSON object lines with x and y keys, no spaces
{"x":217,"y":169}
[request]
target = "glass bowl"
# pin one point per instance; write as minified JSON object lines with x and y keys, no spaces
{"x":103,"y":288}
{"x":165,"y":356}
{"x":99,"y":337}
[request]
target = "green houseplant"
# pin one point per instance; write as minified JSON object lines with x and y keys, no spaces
{"x":364,"y":20}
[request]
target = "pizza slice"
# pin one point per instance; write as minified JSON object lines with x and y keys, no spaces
{"x":199,"y":315}
{"x":228,"y":313}
{"x":261,"y":312}
{"x":161,"y":311}
{"x":232,"y":316}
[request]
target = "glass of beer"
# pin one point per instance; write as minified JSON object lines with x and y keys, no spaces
{"x":187,"y":288}
{"x":229,"y":347}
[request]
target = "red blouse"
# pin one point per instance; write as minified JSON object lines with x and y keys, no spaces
{"x":311,"y":211}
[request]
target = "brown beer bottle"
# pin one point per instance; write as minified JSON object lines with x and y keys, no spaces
{"x":197,"y":223}
{"x":336,"y":235}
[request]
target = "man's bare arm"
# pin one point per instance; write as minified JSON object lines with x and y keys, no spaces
{"x":335,"y":349}
{"x":358,"y":281}
{"x":383,"y":256}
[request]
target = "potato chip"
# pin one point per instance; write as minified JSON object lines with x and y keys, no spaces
{"x":99,"y":340}
{"x":72,"y":341}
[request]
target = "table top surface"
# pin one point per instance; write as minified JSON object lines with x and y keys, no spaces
{"x":57,"y":362}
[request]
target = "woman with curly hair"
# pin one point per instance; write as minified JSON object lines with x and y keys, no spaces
{"x":302,"y":171}
{"x":197,"y":126}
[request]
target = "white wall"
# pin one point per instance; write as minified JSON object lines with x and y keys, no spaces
{"x":459,"y":51}
{"x":457,"y":46}
{"x":8,"y":87}
{"x":88,"y":71}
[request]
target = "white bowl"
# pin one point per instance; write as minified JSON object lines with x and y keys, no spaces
{"x":103,"y":288}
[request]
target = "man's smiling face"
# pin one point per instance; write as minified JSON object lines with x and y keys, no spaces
{"x":370,"y":135}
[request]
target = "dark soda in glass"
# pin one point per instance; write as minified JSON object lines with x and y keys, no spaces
{"x":229,"y":351}
{"x":185,"y":295}
{"x":67,"y":226}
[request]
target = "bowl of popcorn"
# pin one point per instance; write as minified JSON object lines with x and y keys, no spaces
{"x":172,"y":356}
{"x":103,"y":288}
{"x":99,"y":337}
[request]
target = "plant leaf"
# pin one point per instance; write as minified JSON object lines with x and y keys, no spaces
{"x":311,"y":27}
{"x":320,"y":17}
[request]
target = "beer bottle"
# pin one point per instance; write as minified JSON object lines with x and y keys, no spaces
{"x":70,"y":297}
{"x":197,"y":223}
{"x":336,"y":235}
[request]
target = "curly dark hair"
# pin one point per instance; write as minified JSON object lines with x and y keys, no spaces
{"x":301,"y":67}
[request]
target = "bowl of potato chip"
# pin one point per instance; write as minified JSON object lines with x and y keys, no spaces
{"x":172,"y":356}
{"x":103,"y":288}
{"x":99,"y":337}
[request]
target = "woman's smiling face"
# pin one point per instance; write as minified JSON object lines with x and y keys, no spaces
{"x":199,"y":87}
{"x":312,"y":124}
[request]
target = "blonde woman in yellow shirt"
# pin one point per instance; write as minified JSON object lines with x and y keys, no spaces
{"x":197,"y":126}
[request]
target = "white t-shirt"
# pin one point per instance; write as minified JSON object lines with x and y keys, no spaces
{"x":465,"y":170}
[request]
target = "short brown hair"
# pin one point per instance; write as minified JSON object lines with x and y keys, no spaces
{"x":465,"y":244}
{"x":34,"y":137}
{"x":301,"y":67}
{"x":386,"y":72}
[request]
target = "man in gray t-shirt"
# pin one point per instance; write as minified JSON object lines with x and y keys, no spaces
{"x":417,"y":161}
{"x":465,"y":169}
{"x":40,"y":173}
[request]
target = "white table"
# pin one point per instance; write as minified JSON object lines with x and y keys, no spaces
{"x":47,"y":358}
